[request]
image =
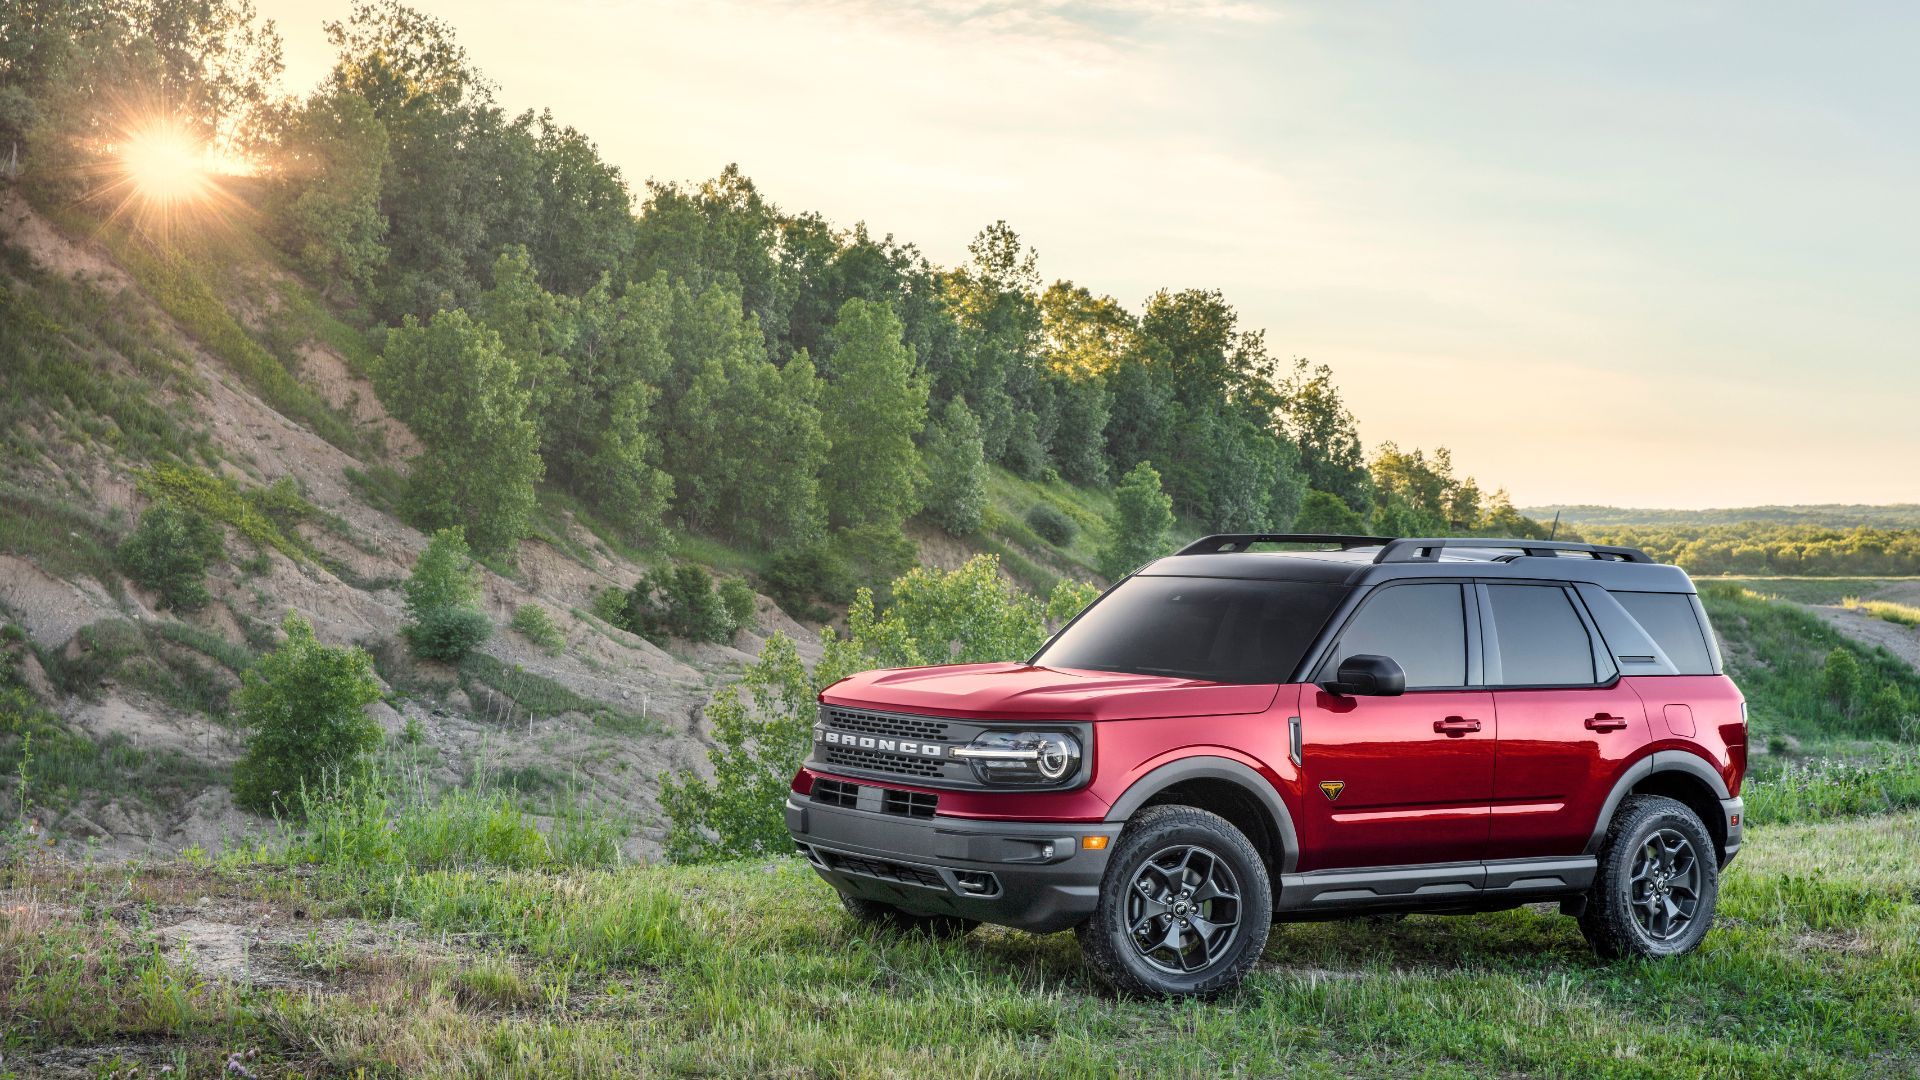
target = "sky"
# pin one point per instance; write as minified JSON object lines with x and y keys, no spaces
{"x":1657,"y":254}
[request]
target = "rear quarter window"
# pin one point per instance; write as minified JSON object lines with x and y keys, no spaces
{"x":1669,"y":619}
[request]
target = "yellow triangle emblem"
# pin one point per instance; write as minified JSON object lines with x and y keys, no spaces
{"x":1332,"y":788}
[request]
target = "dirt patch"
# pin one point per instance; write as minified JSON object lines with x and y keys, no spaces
{"x":55,"y":250}
{"x":50,"y":609}
{"x":1901,"y":641}
{"x":327,"y":372}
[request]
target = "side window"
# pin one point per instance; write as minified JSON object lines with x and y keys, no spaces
{"x":1669,"y":620}
{"x":1422,"y":627}
{"x":1540,"y":638}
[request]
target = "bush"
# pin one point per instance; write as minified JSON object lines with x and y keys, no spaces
{"x":678,"y":602}
{"x":443,"y":598}
{"x":1052,"y":526}
{"x":738,"y":598}
{"x":1142,"y":515}
{"x":1840,"y":679}
{"x":1885,"y":710}
{"x":306,"y":705}
{"x":534,"y":624}
{"x":448,"y":634}
{"x":169,"y":552}
{"x":796,"y":578}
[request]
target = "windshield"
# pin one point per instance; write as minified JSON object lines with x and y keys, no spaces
{"x":1218,"y":629}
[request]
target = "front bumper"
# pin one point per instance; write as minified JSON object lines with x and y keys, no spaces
{"x":1032,"y":876}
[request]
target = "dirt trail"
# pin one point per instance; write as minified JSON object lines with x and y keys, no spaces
{"x":1901,"y":641}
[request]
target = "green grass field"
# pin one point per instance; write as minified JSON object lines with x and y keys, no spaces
{"x":480,"y":970}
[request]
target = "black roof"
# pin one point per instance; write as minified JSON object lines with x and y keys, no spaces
{"x":1369,"y":560}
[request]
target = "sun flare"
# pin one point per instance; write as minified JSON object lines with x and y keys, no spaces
{"x":165,"y":166}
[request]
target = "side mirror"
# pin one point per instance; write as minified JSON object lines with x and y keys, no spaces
{"x":1366,"y":675}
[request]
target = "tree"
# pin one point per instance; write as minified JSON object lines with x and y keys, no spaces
{"x":1142,"y":515}
{"x":1324,"y":512}
{"x":455,"y":386}
{"x":871,"y":411}
{"x":444,"y":620}
{"x":956,"y":465}
{"x":740,"y":436}
{"x":305,"y":704}
{"x":679,"y":602}
{"x":602,"y":431}
{"x":535,"y":329}
{"x":169,"y":552}
{"x":1328,"y":437}
{"x":326,"y":174}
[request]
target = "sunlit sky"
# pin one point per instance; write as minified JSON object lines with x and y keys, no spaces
{"x":1655,"y":255}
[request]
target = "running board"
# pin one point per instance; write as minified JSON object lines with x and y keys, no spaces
{"x":1441,"y":882}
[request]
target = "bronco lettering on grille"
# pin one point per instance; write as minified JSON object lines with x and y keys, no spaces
{"x":880,"y":743}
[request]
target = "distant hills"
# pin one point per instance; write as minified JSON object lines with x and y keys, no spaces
{"x":1830,"y":515}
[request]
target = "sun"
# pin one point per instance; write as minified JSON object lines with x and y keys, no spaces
{"x":165,"y":167}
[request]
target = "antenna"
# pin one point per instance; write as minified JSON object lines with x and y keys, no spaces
{"x":1555,"y":531}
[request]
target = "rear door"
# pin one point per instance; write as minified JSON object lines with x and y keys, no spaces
{"x":1393,"y":781}
{"x":1567,"y":721}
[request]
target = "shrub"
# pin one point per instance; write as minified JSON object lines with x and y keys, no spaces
{"x":1052,"y":526}
{"x":1840,"y":679}
{"x":678,"y":602}
{"x":534,"y":624}
{"x":306,"y":705}
{"x":169,"y":552}
{"x":1885,"y":710}
{"x":443,"y":598}
{"x":738,"y":598}
{"x":956,"y":471}
{"x":796,"y":578}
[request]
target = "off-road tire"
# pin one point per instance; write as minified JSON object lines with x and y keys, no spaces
{"x":1107,"y":937}
{"x":1617,"y":915}
{"x":889,"y":918}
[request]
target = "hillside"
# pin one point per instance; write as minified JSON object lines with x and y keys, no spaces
{"x":119,"y":387}
{"x":1830,"y":515}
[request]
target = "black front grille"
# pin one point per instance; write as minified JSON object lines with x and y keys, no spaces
{"x":869,"y":723}
{"x":836,"y":793}
{"x":909,"y":803}
{"x":854,"y":757}
{"x":905,"y":873}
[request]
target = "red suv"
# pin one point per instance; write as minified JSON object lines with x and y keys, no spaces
{"x":1232,"y":736}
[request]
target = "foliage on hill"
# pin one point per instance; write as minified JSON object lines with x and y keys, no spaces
{"x":1763,"y":548}
{"x":712,"y":362}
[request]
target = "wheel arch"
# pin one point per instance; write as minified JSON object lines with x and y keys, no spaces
{"x":1226,"y":787}
{"x":1678,"y":775}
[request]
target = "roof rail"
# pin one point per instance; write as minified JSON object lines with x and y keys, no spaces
{"x":1220,"y":543}
{"x":1428,"y":549}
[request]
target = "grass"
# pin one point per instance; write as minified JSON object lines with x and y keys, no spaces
{"x":472,"y":967}
{"x":1776,"y":653}
{"x":527,"y":694}
{"x":1902,"y":614}
{"x":1809,"y":590}
{"x":164,"y":659}
{"x":1814,"y":789}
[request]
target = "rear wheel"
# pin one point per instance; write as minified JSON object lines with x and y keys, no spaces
{"x":887,"y":917}
{"x":1658,"y":882}
{"x":1184,"y":908}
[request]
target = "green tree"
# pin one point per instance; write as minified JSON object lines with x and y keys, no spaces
{"x":169,"y":552}
{"x":305,"y":705}
{"x":1327,"y":434}
{"x":603,"y":436}
{"x":535,"y":329}
{"x":326,"y":173}
{"x":1325,"y":512}
{"x":444,"y":620}
{"x":956,"y":464}
{"x":455,"y":386}
{"x":871,"y":410}
{"x":1137,"y":528}
{"x":678,"y":602}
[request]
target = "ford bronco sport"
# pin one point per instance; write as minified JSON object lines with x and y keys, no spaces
{"x":1231,"y":737}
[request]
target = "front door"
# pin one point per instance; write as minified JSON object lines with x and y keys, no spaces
{"x":1396,"y":781}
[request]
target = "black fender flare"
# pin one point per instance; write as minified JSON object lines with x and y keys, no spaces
{"x":1659,"y":761}
{"x":1216,"y":768}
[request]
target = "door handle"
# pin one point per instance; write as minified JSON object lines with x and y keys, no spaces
{"x":1455,"y":726}
{"x":1603,"y":722}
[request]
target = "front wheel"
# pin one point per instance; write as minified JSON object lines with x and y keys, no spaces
{"x":1184,"y":909}
{"x":1658,"y":882}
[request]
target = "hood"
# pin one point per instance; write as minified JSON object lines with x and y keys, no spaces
{"x":1022,"y":691}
